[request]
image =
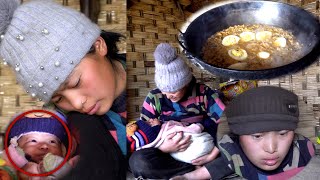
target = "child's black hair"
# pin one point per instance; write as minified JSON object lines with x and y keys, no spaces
{"x":111,"y":39}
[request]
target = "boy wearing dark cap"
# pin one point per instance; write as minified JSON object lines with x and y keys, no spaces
{"x":262,"y":143}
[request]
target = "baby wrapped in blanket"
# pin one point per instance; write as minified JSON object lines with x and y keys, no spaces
{"x":202,"y":142}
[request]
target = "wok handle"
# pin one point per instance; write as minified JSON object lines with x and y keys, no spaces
{"x":181,"y":39}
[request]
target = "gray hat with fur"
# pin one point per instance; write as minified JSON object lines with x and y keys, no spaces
{"x":172,"y":73}
{"x":43,"y":42}
{"x":263,"y":109}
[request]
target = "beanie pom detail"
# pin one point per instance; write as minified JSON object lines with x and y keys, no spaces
{"x":7,"y":8}
{"x":164,"y":53}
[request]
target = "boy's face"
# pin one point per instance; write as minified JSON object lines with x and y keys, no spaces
{"x":176,"y":96}
{"x":91,"y":87}
{"x":267,"y":150}
{"x":37,"y":145}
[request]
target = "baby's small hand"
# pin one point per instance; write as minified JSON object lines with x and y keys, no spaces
{"x":154,"y":122}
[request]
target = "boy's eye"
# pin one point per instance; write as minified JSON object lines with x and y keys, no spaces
{"x":33,"y":140}
{"x":283,"y":133}
{"x":256,"y":136}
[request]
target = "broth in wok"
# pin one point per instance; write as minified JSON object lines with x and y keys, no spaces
{"x":251,"y":47}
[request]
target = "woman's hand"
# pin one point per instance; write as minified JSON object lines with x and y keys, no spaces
{"x":206,"y":158}
{"x":175,"y":142}
{"x":74,"y":160}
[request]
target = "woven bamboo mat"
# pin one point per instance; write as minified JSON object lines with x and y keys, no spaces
{"x":152,"y":22}
{"x":13,"y":99}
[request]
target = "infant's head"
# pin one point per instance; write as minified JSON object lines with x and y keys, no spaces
{"x":38,"y":137}
{"x":36,"y":145}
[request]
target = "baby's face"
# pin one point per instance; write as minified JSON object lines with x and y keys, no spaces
{"x":267,"y":150}
{"x":38,"y":145}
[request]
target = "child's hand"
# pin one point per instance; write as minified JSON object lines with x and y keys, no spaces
{"x":175,"y":142}
{"x":206,"y":158}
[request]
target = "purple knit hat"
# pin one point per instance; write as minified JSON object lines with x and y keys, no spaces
{"x":50,"y":125}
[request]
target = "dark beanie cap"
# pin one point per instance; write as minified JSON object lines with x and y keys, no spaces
{"x":263,"y":109}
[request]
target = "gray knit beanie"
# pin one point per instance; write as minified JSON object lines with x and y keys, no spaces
{"x":263,"y":109}
{"x":43,"y":42}
{"x":172,"y":73}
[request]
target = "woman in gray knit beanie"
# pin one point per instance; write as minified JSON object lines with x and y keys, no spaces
{"x":61,"y":57}
{"x":180,"y":98}
{"x":262,"y":143}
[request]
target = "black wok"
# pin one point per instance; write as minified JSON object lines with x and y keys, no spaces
{"x":303,"y":25}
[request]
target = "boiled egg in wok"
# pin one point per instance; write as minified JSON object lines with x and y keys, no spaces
{"x":263,"y":35}
{"x":263,"y":55}
{"x":239,"y":66}
{"x":230,"y":40}
{"x":238,"y":54}
{"x":280,"y":42}
{"x":247,"y":36}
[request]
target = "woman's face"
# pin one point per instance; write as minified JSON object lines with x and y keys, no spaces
{"x":176,"y":96}
{"x":267,"y":150}
{"x":37,"y":145}
{"x":91,"y":87}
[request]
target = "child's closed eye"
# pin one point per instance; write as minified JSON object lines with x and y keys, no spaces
{"x":77,"y":83}
{"x":56,"y":98}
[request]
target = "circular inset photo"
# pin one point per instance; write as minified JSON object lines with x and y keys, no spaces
{"x":38,"y":143}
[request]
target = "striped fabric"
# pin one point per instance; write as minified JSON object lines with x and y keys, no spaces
{"x":137,"y":140}
{"x":201,"y":104}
